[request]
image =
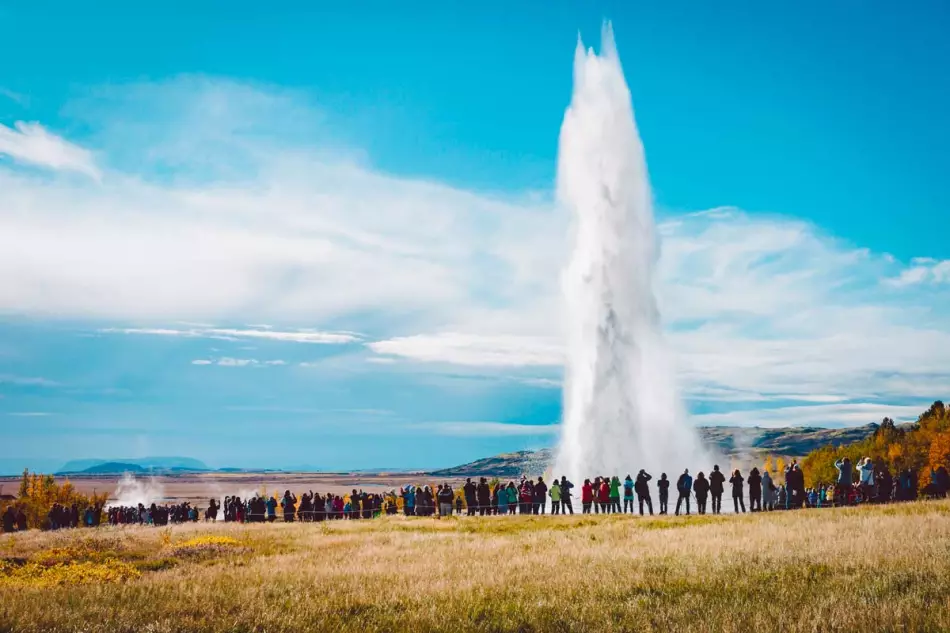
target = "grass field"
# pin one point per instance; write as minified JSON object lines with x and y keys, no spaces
{"x":864,"y":569}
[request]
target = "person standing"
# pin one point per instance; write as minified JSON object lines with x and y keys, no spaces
{"x":9,"y":520}
{"x":540,"y":496}
{"x":663,"y":485}
{"x":614,"y":502}
{"x":755,"y":491}
{"x":844,"y":480}
{"x":736,"y":481}
{"x":701,"y":488}
{"x":587,"y":496}
{"x":628,"y":495}
{"x":444,"y":496}
{"x":866,"y":471}
{"x":642,"y":487}
{"x":566,"y":495}
{"x":483,"y":494}
{"x":512,"y":498}
{"x":468,"y":491}
{"x":289,"y":504}
{"x":603,"y":495}
{"x":409,"y":500}
{"x":716,"y":482}
{"x":555,"y":494}
{"x":766,"y":491}
{"x":684,"y":486}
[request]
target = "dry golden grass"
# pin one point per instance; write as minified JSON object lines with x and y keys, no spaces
{"x":866,"y":569}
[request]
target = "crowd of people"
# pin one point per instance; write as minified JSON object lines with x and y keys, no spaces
{"x":864,"y":482}
{"x":153,"y":514}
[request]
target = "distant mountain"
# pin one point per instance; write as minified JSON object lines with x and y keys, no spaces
{"x":738,"y":443}
{"x":170,"y":464}
{"x":112,"y":468}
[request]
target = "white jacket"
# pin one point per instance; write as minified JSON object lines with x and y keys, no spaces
{"x":867,"y":473}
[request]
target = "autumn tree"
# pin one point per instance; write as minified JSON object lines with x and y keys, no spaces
{"x":38,"y":493}
{"x":919,"y":446}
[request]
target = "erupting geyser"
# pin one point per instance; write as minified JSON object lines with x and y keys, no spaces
{"x":621,"y":408}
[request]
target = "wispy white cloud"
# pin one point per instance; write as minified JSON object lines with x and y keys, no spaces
{"x":298,"y":336}
{"x":227,"y":361}
{"x":27,"y":381}
{"x":30,"y":414}
{"x":923,"y":270}
{"x":32,"y":144}
{"x":472,"y":349}
{"x":488,"y":429}
{"x":847,"y":414}
{"x":14,"y":96}
{"x":236,"y":362}
{"x":544,"y":383}
{"x":307,"y":410}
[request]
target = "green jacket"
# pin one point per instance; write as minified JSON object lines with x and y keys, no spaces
{"x":512,"y":495}
{"x":555,"y":492}
{"x":615,"y":488}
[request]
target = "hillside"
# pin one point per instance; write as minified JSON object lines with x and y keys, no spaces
{"x":736,"y":443}
{"x":111,"y":468}
{"x":103,"y":466}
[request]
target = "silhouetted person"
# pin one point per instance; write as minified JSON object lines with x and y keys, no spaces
{"x":566,"y":496}
{"x":755,"y":491}
{"x":540,"y":496}
{"x":470,"y":493}
{"x":663,"y":485}
{"x":354,"y":504}
{"x":736,"y":481}
{"x":9,"y":520}
{"x":767,"y":491}
{"x":289,"y":504}
{"x":642,"y":487}
{"x":483,"y":493}
{"x":212,"y":512}
{"x":716,"y":481}
{"x":701,"y":488}
{"x":684,"y":486}
{"x":798,"y":485}
{"x":21,"y":525}
{"x":844,"y":482}
{"x":885,"y":483}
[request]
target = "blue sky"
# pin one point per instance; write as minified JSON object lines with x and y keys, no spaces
{"x":374,"y":186}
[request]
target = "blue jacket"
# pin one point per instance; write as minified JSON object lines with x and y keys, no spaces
{"x":685,"y":483}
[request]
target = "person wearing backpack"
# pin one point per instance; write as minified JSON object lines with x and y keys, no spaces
{"x":684,"y":486}
{"x":628,"y":495}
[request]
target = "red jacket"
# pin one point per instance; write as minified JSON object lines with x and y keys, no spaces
{"x":604,"y":494}
{"x":587,"y":494}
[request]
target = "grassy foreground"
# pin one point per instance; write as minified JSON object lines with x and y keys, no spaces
{"x":862,"y":569}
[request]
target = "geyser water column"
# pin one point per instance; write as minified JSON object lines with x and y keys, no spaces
{"x":621,"y":408}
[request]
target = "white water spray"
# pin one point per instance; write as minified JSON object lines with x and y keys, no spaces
{"x":130,"y":491}
{"x":621,"y":407}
